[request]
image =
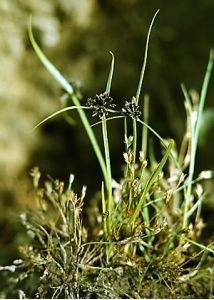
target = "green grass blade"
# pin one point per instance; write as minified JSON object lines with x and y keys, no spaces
{"x":196,"y":205}
{"x":187,"y":98}
{"x":107,"y":119}
{"x":108,"y":86}
{"x":199,"y":245}
{"x":58,"y":112}
{"x":48,"y":65}
{"x":145,"y":58}
{"x":151,"y":181}
{"x":66,"y":116}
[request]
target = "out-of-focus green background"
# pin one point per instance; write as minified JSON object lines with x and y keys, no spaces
{"x":77,"y":36}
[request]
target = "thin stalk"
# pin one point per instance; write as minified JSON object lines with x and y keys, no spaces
{"x":134,"y":124}
{"x":126,"y":144}
{"x":104,"y":212}
{"x":145,"y":210}
{"x":145,"y":129}
{"x":126,"y":133}
{"x":196,"y":135}
{"x":108,"y":166}
{"x":110,"y":203}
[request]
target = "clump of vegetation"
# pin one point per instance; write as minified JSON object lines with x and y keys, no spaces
{"x":141,"y":237}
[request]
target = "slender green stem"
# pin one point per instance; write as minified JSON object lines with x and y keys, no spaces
{"x":108,"y":166}
{"x":196,"y":135}
{"x":145,"y":129}
{"x":126,"y":133}
{"x":134,"y":140}
{"x":126,"y":144}
{"x":104,"y":212}
{"x":145,"y":210}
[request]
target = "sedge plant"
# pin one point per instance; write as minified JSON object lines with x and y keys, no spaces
{"x":102,"y":105}
{"x":150,"y":222}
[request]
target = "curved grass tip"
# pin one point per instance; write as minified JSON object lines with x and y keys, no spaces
{"x":111,"y":72}
{"x":57,"y":113}
{"x":45,"y":61}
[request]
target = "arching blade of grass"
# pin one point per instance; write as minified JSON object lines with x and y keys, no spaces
{"x":107,"y":119}
{"x":66,"y":116}
{"x":140,"y":85}
{"x":145,"y":58}
{"x":69,"y":89}
{"x":59,"y":112}
{"x":195,"y":134}
{"x":199,"y":245}
{"x":49,"y":66}
{"x":150,"y":182}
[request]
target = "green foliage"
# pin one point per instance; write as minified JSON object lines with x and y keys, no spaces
{"x":143,"y":229}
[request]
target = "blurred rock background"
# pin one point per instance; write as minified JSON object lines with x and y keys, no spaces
{"x":77,"y":36}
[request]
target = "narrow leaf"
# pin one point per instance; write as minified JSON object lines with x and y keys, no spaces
{"x":145,"y":58}
{"x":111,"y":72}
{"x":59,"y":112}
{"x":187,"y":98}
{"x":48,"y":65}
{"x":199,"y":245}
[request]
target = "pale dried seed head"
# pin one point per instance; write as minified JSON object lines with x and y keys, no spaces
{"x":206,"y":174}
{"x":199,"y":189}
{"x":141,"y":156}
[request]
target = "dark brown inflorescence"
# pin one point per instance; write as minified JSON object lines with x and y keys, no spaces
{"x":101,"y":104}
{"x":132,"y":109}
